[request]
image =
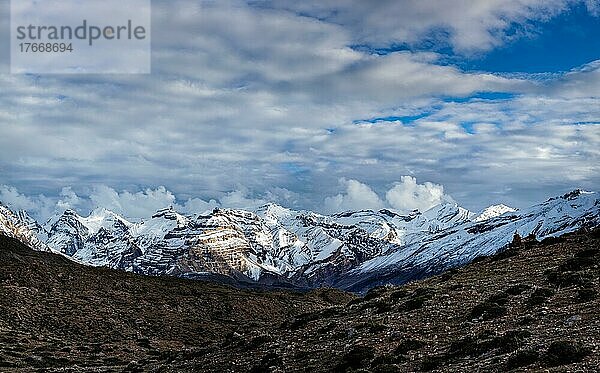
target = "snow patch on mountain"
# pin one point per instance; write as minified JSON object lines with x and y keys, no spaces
{"x":23,"y":227}
{"x":301,"y":247}
{"x":494,"y":211}
{"x":463,"y":243}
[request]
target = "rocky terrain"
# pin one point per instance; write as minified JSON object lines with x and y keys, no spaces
{"x":276,"y":246}
{"x":533,"y":306}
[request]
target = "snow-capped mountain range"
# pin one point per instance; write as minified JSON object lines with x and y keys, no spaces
{"x":353,"y":250}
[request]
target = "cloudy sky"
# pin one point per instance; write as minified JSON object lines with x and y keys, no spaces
{"x":325,"y":105}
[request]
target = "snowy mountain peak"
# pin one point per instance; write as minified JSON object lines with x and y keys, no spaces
{"x":103,"y":218}
{"x":353,"y":249}
{"x":440,"y":217}
{"x":273,"y":212}
{"x":22,"y":227}
{"x":448,"y":211}
{"x":102,"y":212}
{"x":574,"y":194}
{"x":494,"y":211}
{"x":171,"y":214}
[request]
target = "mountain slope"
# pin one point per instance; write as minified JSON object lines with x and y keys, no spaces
{"x":22,"y":227}
{"x":461,"y":244}
{"x":534,"y":306}
{"x":352,"y":250}
{"x":493,"y":211}
{"x":98,"y":319}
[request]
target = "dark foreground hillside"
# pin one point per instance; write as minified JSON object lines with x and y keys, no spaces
{"x":534,"y":306}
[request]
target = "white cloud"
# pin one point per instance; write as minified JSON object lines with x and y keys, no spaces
{"x":11,"y":197}
{"x":357,"y":196}
{"x":593,"y":7}
{"x":581,"y":82}
{"x":197,"y":206}
{"x":407,"y":195}
{"x":239,"y":199}
{"x":69,"y":200}
{"x":465,"y":25}
{"x":132,"y":205}
{"x":40,"y":207}
{"x":269,"y":99}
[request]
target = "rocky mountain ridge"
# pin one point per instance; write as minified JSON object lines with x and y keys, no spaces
{"x":353,"y":250}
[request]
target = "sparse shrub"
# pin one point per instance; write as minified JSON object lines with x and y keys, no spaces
{"x":552,"y":240}
{"x":488,"y":341}
{"x":328,"y":312}
{"x":565,"y":352}
{"x":372,"y":326}
{"x":488,"y":311}
{"x":432,"y":362}
{"x":586,"y":295}
{"x":506,"y":253}
{"x":269,"y":360}
{"x":543,"y":292}
{"x":465,"y":346}
{"x":355,"y":301}
{"x":327,"y":328}
{"x":414,"y":303}
{"x":539,"y":296}
{"x":380,"y":306}
{"x":232,"y":338}
{"x":302,"y":354}
{"x":527,"y":320}
{"x":577,"y":263}
{"x":386,"y":368}
{"x":408,"y":345}
{"x":6,"y":364}
{"x":357,"y":357}
{"x":478,"y":259}
{"x":374,"y":293}
{"x":258,"y":341}
{"x":385,"y":360}
{"x":588,"y":253}
{"x":517,"y":289}
{"x":500,"y":298}
{"x":168,"y":356}
{"x":143,"y":342}
{"x":517,"y":241}
{"x":417,"y":299}
{"x":522,"y":359}
{"x":300,"y":321}
{"x":377,"y":328}
{"x":564,"y":279}
{"x":398,"y":294}
{"x":448,"y":274}
{"x":133,"y":367}
{"x":536,"y":301}
{"x":486,"y":334}
{"x":193,"y":353}
{"x":424,"y":292}
{"x":511,"y":340}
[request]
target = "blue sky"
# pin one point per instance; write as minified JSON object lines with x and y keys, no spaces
{"x":555,"y":46}
{"x":318,"y":105}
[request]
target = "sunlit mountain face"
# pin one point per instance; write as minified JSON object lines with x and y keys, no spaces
{"x":273,"y":245}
